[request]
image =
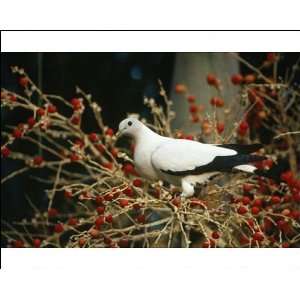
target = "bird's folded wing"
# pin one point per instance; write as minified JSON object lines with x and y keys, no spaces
{"x":183,"y":157}
{"x":242,"y":148}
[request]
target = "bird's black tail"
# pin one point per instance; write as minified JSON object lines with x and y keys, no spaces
{"x":273,"y":173}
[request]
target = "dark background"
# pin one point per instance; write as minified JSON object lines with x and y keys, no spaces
{"x":118,"y":81}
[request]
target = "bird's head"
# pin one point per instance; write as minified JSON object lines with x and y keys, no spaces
{"x":130,"y":127}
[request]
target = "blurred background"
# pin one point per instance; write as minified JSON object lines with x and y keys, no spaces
{"x":118,"y":82}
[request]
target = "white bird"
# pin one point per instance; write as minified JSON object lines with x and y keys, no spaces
{"x":184,"y":162}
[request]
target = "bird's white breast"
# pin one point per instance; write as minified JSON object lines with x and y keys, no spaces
{"x":142,"y":159}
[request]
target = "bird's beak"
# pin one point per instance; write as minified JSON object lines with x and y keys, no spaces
{"x":118,"y":134}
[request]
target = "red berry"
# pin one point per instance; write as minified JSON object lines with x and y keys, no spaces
{"x":243,"y":128}
{"x":128,"y":168}
{"x":17,"y":133}
{"x":58,"y":228}
{"x":40,"y":112}
{"x":38,"y":160}
{"x":195,"y":119}
{"x":128,"y":192}
{"x":51,"y":109}
{"x":137,"y":182}
{"x":257,"y":202}
{"x":258,"y":236}
{"x":5,"y":151}
{"x":12,"y":98}
{"x":100,"y":210}
{"x":287,"y":176}
{"x":75,"y":120}
{"x":114,"y":152}
{"x":220,"y":127}
{"x":215,"y":235}
{"x":72,"y":222}
{"x":123,"y":243}
{"x":286,"y":212}
{"x":193,"y":108}
{"x":74,"y":157}
{"x":247,"y":187}
{"x":52,"y":212}
{"x":109,"y":132}
{"x":109,"y":218}
{"x":93,"y":137}
{"x":212,"y":80}
{"x":37,"y":243}
{"x":18,"y":244}
{"x":217,"y":101}
{"x":191,"y":99}
{"x":94,"y":233}
{"x":275,"y":199}
{"x":283,"y":225}
{"x":267,"y":224}
{"x":255,"y":210}
{"x":107,"y":165}
{"x":267,"y":163}
{"x":81,"y":242}
{"x":180,"y":88}
{"x":99,"y":221}
{"x":246,"y":200}
{"x":250,"y":223}
{"x":213,"y":101}
{"x":285,"y":245}
{"x":100,"y":148}
{"x":123,"y":202}
{"x":295,"y":214}
{"x":23,"y":81}
{"x":141,"y":219}
{"x":237,"y":79}
{"x":220,"y":102}
{"x":109,"y":197}
{"x":76,"y":103}
{"x":176,"y":202}
{"x":31,"y":122}
{"x":244,"y":125}
{"x":242,"y":210}
{"x":68,"y":194}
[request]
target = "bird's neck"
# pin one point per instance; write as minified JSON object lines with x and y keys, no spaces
{"x":147,"y":134}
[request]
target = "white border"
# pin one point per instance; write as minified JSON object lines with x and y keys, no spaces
{"x":154,"y":14}
{"x":150,"y":274}
{"x":151,"y":41}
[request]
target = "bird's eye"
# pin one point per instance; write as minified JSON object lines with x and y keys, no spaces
{"x":129,"y":123}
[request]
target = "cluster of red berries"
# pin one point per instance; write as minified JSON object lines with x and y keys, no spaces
{"x":196,"y":110}
{"x":269,"y":214}
{"x":217,"y":101}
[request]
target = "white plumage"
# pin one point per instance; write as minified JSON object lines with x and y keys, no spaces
{"x":181,"y":162}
